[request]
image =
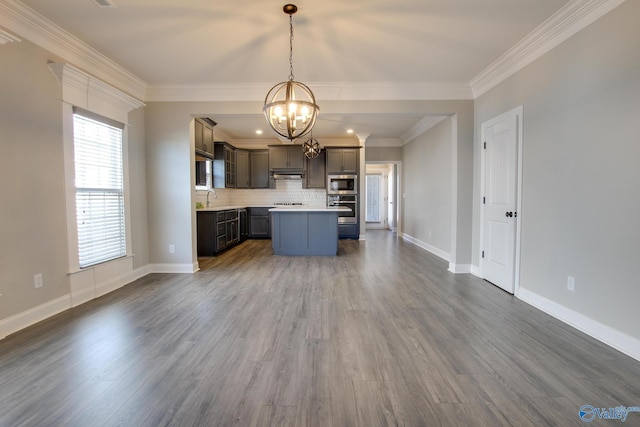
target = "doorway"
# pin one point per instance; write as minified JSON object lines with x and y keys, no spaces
{"x":380,"y":196}
{"x":501,"y":178}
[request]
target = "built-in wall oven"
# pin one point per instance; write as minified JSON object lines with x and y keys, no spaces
{"x":347,"y":201}
{"x":342,"y":184}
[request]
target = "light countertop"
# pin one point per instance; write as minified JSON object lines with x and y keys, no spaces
{"x":309,"y":209}
{"x":222,"y":208}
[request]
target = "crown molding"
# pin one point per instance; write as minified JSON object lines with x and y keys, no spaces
{"x":322,"y":92}
{"x":421,"y":127}
{"x":27,"y":23}
{"x":90,"y":93}
{"x":5,"y":37}
{"x":34,"y":27}
{"x":573,"y":17}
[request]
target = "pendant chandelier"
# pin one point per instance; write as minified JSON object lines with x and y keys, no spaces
{"x":290,"y":107}
{"x":311,"y":147}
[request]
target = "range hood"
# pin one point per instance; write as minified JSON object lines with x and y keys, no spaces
{"x":291,"y":175}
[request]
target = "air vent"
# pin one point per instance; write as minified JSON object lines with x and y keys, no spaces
{"x":104,"y":3}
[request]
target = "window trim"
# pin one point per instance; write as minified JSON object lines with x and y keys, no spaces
{"x":80,"y":90}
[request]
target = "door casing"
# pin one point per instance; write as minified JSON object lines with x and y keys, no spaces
{"x":517,"y":113}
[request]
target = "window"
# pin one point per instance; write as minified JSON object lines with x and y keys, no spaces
{"x":99,"y":188}
{"x":373,"y":198}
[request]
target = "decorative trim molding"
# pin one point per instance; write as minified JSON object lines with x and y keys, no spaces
{"x":322,"y":91}
{"x":174,"y":268}
{"x":29,"y":24}
{"x":421,"y":127}
{"x":459,"y":268}
{"x":476,"y":271}
{"x":427,"y":247}
{"x":51,"y":308}
{"x":34,"y":315}
{"x":573,"y":17}
{"x":5,"y":37}
{"x":603,"y":333}
{"x":83,"y":90}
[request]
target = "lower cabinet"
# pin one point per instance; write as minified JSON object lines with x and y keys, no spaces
{"x":259,"y":223}
{"x":348,"y":231}
{"x":217,"y":231}
{"x":244,"y":224}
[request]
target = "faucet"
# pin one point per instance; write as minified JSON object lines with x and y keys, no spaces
{"x":215,"y":196}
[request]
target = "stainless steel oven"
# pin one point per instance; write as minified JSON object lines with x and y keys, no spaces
{"x":351,"y":202}
{"x":342,"y":184}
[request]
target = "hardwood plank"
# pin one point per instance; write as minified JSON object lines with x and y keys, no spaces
{"x":381,"y":335}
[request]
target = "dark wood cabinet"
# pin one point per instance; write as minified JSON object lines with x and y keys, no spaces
{"x":342,"y":160}
{"x":224,"y":165}
{"x":286,"y":157}
{"x":242,"y":169}
{"x":316,"y":176}
{"x":243,"y":221}
{"x":259,"y":222}
{"x":259,"y":166}
{"x":348,"y":231}
{"x":217,"y":231}
{"x":203,"y":136}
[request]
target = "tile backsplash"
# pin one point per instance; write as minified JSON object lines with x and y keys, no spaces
{"x":285,"y":192}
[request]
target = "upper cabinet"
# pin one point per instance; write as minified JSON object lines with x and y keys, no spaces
{"x":316,"y":172}
{"x":204,"y":136}
{"x":242,"y":169}
{"x":224,"y":165}
{"x":286,"y":157}
{"x":259,"y":166}
{"x":342,"y":160}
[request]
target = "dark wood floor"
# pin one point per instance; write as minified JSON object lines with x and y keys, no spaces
{"x":380,"y":335}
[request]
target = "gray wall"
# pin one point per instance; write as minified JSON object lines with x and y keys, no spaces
{"x":33,"y":222}
{"x":580,"y":198}
{"x":383,"y":154}
{"x":32,"y":212}
{"x":427,"y":177}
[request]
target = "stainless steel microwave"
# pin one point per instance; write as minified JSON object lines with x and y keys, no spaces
{"x":342,"y":184}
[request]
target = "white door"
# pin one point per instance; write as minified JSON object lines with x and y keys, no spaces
{"x":499,"y":198}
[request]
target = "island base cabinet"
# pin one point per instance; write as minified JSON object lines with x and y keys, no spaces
{"x":348,"y":231}
{"x":304,"y":233}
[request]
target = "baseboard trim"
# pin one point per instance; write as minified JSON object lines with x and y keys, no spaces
{"x":174,"y":268}
{"x":475,"y":270}
{"x":51,"y":308}
{"x":427,"y":247}
{"x":459,"y":268}
{"x":34,"y":315}
{"x":603,"y":333}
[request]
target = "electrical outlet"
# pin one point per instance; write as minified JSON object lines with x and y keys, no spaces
{"x":571,"y":283}
{"x":172,"y":249}
{"x":37,"y":280}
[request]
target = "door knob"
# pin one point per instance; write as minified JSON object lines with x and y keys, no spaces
{"x":509,"y":214}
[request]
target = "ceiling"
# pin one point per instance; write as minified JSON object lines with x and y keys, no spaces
{"x":344,"y":50}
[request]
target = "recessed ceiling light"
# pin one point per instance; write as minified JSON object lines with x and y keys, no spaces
{"x":349,"y":131}
{"x":259,"y":132}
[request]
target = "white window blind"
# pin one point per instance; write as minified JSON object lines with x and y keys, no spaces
{"x":99,"y":188}
{"x":373,"y":198}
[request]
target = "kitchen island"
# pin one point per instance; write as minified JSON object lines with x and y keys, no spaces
{"x":300,"y":231}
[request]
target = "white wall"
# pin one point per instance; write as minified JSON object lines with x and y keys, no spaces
{"x":33,"y":216}
{"x":32,"y":212}
{"x":428,"y":189}
{"x":580,"y":199}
